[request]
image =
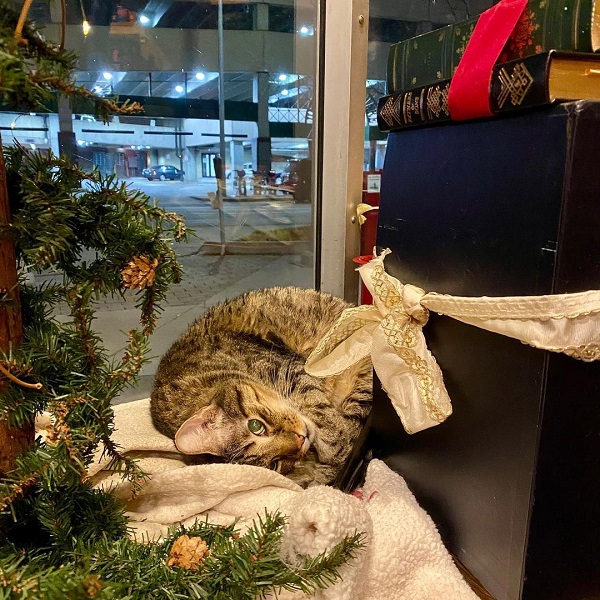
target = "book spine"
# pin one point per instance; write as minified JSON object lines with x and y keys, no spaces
{"x":420,"y":106}
{"x":521,"y":83}
{"x":545,"y":24}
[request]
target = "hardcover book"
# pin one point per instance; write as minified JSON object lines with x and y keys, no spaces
{"x":546,"y":24}
{"x":502,"y":207}
{"x":523,"y":83}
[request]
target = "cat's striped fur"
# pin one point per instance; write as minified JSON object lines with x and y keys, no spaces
{"x":234,"y":386}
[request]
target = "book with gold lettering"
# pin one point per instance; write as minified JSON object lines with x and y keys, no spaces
{"x":432,"y":57}
{"x":536,"y":80}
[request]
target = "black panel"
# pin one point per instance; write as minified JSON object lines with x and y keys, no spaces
{"x":469,"y":208}
{"x":502,"y":207}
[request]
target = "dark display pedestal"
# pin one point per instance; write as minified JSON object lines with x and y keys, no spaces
{"x":502,"y":207}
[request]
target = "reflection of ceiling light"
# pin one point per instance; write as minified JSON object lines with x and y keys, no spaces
{"x":144,"y":20}
{"x":285,"y":92}
{"x":97,"y":89}
{"x":80,"y":142}
{"x":107,"y":75}
{"x":179,"y":89}
{"x":86,"y":27}
{"x":200,"y":76}
{"x":13,"y":125}
{"x":282,"y":77}
{"x":32,"y":146}
{"x":304,"y":30}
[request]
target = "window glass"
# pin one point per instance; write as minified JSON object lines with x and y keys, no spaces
{"x":249,"y":117}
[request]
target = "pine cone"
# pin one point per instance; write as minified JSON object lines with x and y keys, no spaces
{"x":139,"y":273}
{"x":188,"y":553}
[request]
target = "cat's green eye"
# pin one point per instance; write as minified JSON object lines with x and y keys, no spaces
{"x":256,"y":427}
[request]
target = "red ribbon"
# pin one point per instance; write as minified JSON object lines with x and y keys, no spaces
{"x":469,"y":93}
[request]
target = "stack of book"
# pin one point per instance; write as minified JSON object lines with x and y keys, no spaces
{"x":548,"y":58}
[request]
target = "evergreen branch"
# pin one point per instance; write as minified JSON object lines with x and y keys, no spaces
{"x":55,"y":220}
{"x":103,"y":106}
{"x":13,"y":490}
{"x":16,"y":581}
{"x":123,"y":568}
{"x":321,"y":571}
{"x":78,"y":299}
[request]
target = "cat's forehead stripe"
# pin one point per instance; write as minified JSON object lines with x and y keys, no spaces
{"x":240,"y":400}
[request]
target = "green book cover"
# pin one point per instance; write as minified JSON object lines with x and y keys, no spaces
{"x":544,"y":25}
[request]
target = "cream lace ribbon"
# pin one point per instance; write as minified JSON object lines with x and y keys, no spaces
{"x":391,"y":331}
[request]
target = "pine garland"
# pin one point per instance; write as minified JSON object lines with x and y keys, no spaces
{"x":87,"y":229}
{"x":231,"y":567}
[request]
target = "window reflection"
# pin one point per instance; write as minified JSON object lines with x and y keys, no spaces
{"x":391,"y":22}
{"x":165,"y":54}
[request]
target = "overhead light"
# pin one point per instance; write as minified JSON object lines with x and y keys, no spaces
{"x":97,"y":89}
{"x":107,"y":75}
{"x":80,"y":143}
{"x":200,"y":76}
{"x":13,"y":125}
{"x":285,"y":92}
{"x":179,"y":89}
{"x":305,"y":30}
{"x":144,"y":20}
{"x":32,"y":146}
{"x":282,"y":77}
{"x":86,"y":27}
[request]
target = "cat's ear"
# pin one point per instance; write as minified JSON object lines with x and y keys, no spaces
{"x":202,"y":434}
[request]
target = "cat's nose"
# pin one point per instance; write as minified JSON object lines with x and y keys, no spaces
{"x":299,"y":440}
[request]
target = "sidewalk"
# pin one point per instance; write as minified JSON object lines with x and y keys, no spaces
{"x":207,"y":280}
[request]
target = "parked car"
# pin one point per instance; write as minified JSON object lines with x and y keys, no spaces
{"x":163,"y":172}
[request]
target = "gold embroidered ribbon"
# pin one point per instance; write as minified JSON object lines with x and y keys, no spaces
{"x":391,"y":331}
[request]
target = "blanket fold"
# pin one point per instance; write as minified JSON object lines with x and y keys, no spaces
{"x":404,"y":557}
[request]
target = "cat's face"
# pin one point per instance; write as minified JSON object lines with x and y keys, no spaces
{"x":251,"y":424}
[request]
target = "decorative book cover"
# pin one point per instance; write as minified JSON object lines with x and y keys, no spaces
{"x":502,"y":207}
{"x":522,"y":83}
{"x":546,"y":24}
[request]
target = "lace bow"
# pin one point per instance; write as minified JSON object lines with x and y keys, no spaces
{"x":391,"y":331}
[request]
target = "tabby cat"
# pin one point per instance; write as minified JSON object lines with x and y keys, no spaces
{"x":234,"y":386}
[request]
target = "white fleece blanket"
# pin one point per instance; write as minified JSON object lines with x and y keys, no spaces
{"x":404,"y":558}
